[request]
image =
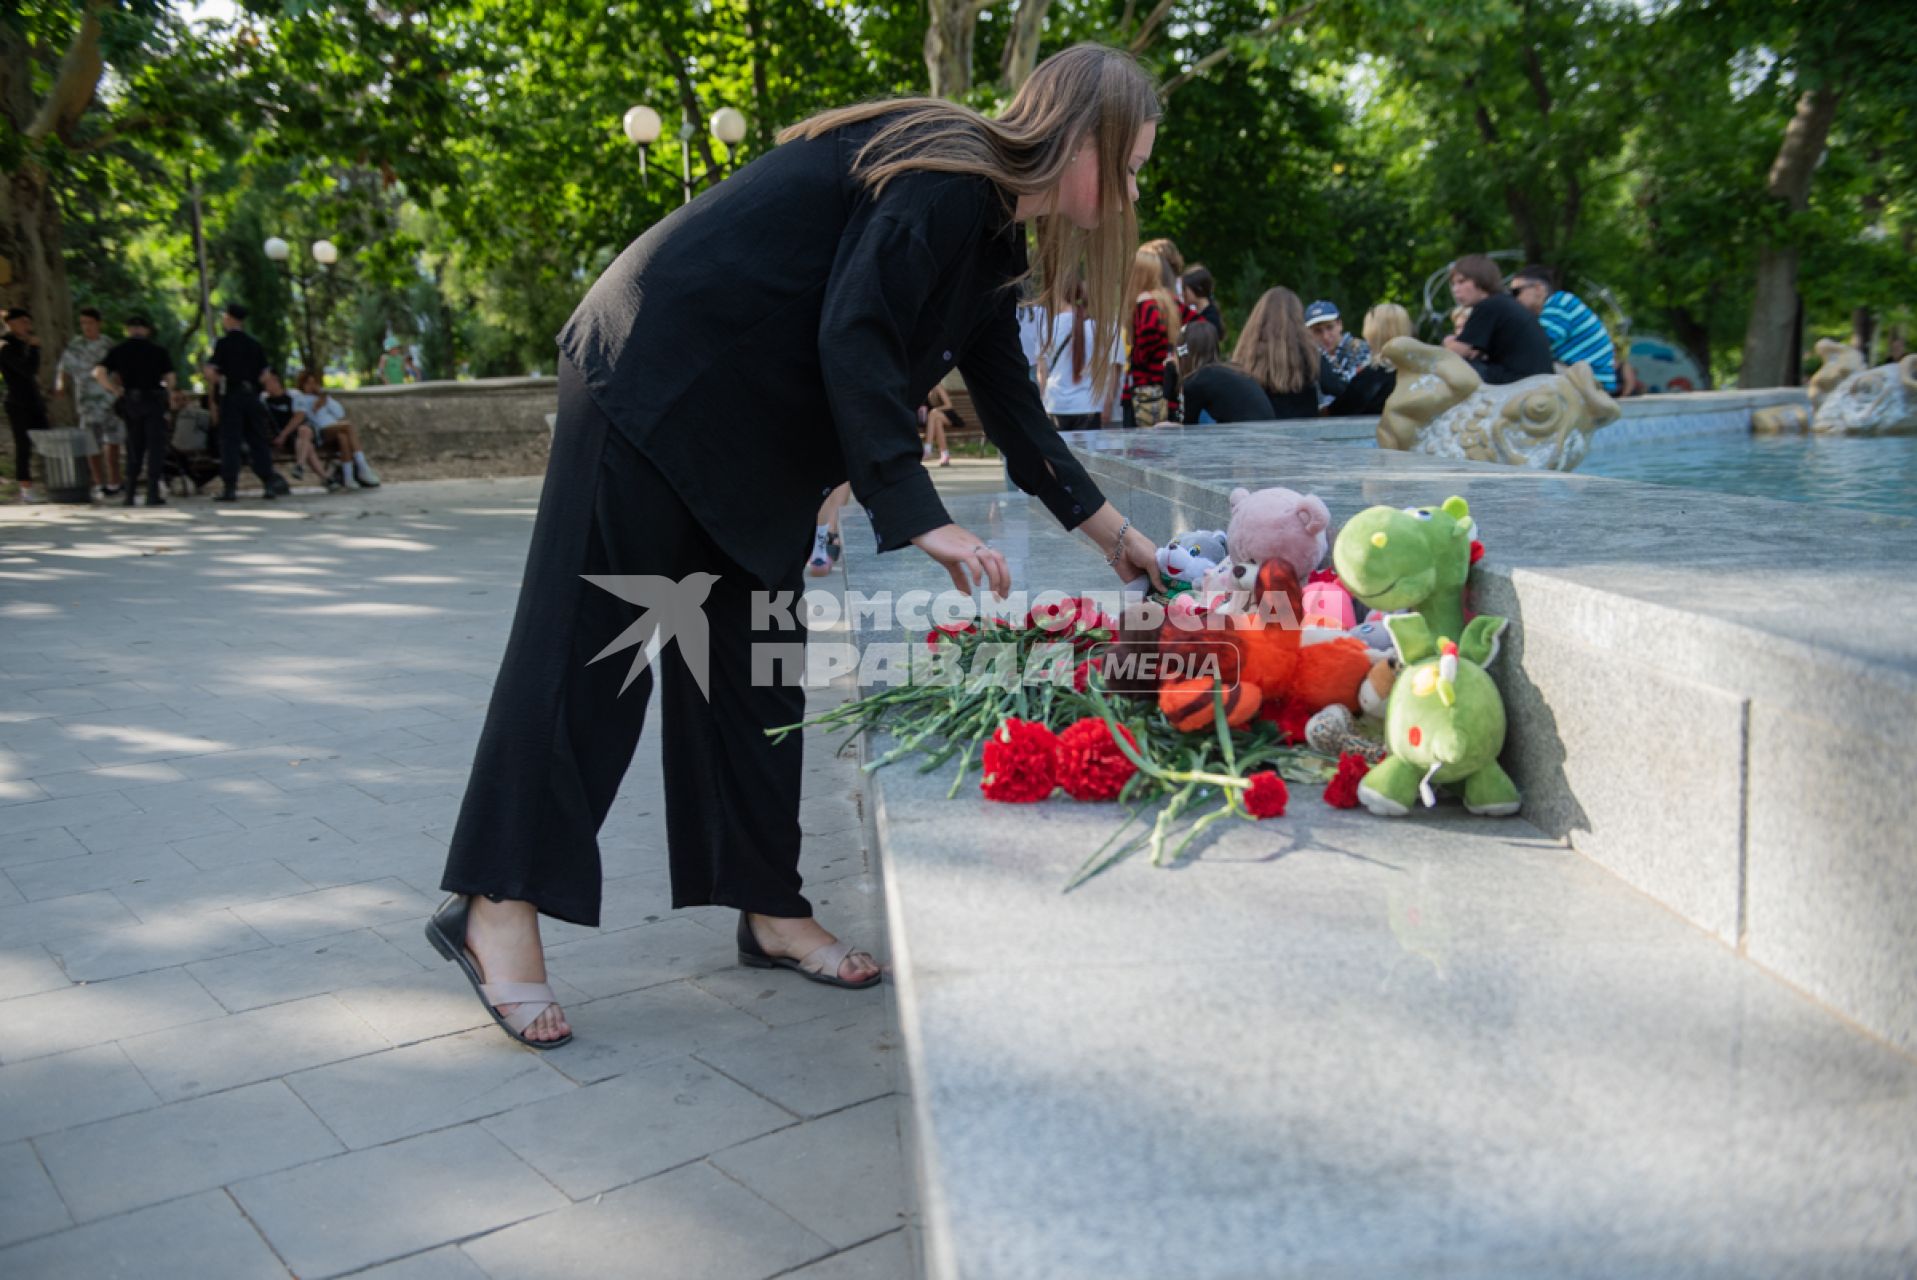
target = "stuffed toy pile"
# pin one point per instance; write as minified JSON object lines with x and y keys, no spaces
{"x":1374,"y":657}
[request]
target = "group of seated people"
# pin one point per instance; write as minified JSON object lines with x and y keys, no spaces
{"x":1294,"y":361}
{"x":310,"y":422}
{"x":308,"y":425}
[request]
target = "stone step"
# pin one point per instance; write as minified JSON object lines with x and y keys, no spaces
{"x":1713,"y":696}
{"x":1339,"y":1045}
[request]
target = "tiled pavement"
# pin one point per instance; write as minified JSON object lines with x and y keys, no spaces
{"x":232,"y":743}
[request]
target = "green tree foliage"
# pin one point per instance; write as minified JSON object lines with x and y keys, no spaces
{"x":467,"y":158}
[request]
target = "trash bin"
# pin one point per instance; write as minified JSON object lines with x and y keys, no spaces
{"x":63,"y":453}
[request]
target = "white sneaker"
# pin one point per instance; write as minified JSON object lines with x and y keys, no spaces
{"x":27,"y":494}
{"x":346,"y":475}
{"x":821,"y":562}
{"x":945,"y":459}
{"x":368,"y":477}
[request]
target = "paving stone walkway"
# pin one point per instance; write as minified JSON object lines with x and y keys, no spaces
{"x":232,"y":745}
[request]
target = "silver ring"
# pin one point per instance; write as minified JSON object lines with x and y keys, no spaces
{"x":980,"y":547}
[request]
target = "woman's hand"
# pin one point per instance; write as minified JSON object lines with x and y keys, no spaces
{"x":966,"y":557}
{"x":1137,"y":558}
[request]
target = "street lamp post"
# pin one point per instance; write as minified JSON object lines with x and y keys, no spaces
{"x":642,"y":127}
{"x":326,"y":253}
{"x":642,"y":130}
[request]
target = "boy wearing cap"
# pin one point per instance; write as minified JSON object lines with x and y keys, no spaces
{"x":140,"y":372}
{"x":1343,"y":355}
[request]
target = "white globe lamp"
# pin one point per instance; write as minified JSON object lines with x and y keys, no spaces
{"x":729,"y":126}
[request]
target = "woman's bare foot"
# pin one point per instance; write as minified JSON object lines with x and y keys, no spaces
{"x":796,"y":937}
{"x":503,"y":940}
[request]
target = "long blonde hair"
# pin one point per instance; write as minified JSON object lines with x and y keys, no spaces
{"x":1088,"y":90}
{"x":1275,"y":347}
{"x":1384,"y":322}
{"x":1148,"y":276}
{"x":1165,"y":249}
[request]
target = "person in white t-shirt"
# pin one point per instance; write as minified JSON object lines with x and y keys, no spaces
{"x":1031,"y":334}
{"x":1068,"y":370}
{"x":328,"y":417}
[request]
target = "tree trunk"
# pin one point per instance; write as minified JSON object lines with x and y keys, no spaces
{"x":949,"y":29}
{"x":1516,"y":202}
{"x":1021,"y":50}
{"x":1693,"y":335}
{"x":1863,"y":328}
{"x":762,"y":121}
{"x":33,"y":272}
{"x":1771,"y":341}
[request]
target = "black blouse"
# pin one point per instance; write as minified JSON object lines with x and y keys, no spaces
{"x":776,"y":336}
{"x":1366,"y":393}
{"x":1227,"y":394}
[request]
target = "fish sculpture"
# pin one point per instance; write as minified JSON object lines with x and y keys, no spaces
{"x":1851,"y":399}
{"x":1442,"y":407}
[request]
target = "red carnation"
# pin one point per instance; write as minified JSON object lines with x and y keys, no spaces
{"x":1082,"y":673}
{"x":1094,"y":630}
{"x":948,"y":631}
{"x":1056,"y":615}
{"x":1342,"y":791}
{"x":1290,"y":715}
{"x":1266,"y":796}
{"x":1020,"y":762}
{"x":1090,"y":765}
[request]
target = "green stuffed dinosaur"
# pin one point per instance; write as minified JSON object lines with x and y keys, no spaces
{"x":1444,"y":723}
{"x":1393,"y":560}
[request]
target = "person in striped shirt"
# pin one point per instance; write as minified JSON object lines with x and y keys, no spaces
{"x":1575,"y":331}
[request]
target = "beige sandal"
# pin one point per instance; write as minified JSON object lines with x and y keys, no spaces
{"x":447,"y":932}
{"x":822,"y":965}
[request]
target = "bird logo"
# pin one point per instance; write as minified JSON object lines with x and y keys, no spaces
{"x":670,"y":608}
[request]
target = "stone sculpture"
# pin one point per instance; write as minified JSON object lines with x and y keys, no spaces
{"x":1839,"y":361}
{"x":1850,"y":399}
{"x":1780,"y":420}
{"x":1442,"y":407}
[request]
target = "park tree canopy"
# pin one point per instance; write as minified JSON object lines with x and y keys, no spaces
{"x":1734,"y":174}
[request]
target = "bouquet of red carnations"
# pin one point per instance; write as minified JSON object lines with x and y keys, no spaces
{"x":1027,"y":701}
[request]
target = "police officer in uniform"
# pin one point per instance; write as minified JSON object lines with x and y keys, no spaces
{"x":238,"y":361}
{"x":26,"y":407}
{"x":140,"y":372}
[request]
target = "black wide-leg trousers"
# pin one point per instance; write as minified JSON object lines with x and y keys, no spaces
{"x":146,"y":439}
{"x":245,"y":426}
{"x":560,"y":733}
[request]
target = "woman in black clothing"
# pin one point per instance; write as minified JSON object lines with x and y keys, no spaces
{"x":838,"y":278}
{"x":1278,"y":351}
{"x":1372,"y":385}
{"x":1215,"y":391}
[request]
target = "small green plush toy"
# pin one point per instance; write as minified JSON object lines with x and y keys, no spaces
{"x":1394,"y":559}
{"x":1444,"y":723}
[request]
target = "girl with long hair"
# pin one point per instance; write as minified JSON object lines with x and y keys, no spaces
{"x":1070,"y":390}
{"x":1276,"y":349}
{"x":1213,"y":390}
{"x":1152,"y":333}
{"x":835,"y":279}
